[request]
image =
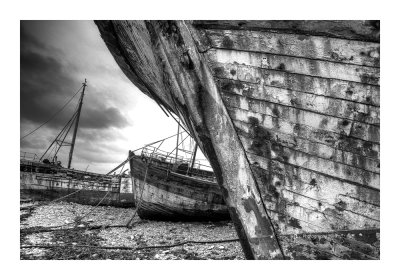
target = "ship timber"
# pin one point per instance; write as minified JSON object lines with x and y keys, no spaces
{"x":287,"y":113}
{"x":162,"y":193}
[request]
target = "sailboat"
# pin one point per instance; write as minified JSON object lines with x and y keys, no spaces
{"x":44,"y":177}
{"x":175,"y":187}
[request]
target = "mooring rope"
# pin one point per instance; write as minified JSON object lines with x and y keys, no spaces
{"x":49,"y":246}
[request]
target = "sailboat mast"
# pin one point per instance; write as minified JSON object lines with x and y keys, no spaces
{"x":177,"y":142}
{"x":71,"y":151}
{"x":194,"y":156}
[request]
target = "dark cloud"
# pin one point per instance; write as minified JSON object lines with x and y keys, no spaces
{"x":103,"y":118}
{"x":44,"y":82}
{"x":47,"y":83}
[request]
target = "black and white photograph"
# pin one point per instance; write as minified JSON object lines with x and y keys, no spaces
{"x":148,"y":141}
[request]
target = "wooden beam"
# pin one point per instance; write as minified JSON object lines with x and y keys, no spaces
{"x":367,"y":30}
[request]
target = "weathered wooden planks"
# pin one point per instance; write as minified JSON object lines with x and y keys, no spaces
{"x":356,"y":244}
{"x":317,"y":121}
{"x":250,"y":133}
{"x":367,"y":30}
{"x":312,"y":47}
{"x":316,"y":164}
{"x":299,"y":200}
{"x":138,"y":64}
{"x":357,"y":92}
{"x":64,"y":182}
{"x":303,"y":66}
{"x":165,"y":195}
{"x":331,"y":139}
{"x":306,"y":101}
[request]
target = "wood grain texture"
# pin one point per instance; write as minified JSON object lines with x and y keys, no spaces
{"x":304,"y":101}
{"x":258,"y":135}
{"x":297,"y":65}
{"x":345,"y":29}
{"x":345,"y":127}
{"x":171,"y":196}
{"x":243,"y":118}
{"x":357,"y":92}
{"x":312,"y":47}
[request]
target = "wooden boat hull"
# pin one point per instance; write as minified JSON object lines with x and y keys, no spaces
{"x":287,"y":113}
{"x":40,"y":182}
{"x":166,"y":195}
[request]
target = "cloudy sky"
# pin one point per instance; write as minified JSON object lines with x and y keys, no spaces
{"x":56,"y":56}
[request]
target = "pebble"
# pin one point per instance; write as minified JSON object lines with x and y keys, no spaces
{"x":145,"y":233}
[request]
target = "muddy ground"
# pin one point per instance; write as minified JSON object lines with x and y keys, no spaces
{"x":40,"y":225}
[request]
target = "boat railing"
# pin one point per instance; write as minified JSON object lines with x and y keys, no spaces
{"x":60,"y":172}
{"x":29,"y":156}
{"x":178,"y":163}
{"x":167,"y":157}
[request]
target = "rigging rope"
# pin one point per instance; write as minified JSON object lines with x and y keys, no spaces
{"x":52,"y":117}
{"x":48,"y":246}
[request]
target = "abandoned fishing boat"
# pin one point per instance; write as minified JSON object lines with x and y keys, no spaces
{"x":44,"y":177}
{"x":175,"y":187}
{"x":287,"y":113}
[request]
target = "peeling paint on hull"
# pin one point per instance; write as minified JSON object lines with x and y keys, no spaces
{"x":43,"y":182}
{"x":165,"y":195}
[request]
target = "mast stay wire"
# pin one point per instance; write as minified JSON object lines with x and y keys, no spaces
{"x":69,"y":123}
{"x":53,"y":116}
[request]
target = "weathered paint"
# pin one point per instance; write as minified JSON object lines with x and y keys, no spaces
{"x":297,"y":65}
{"x":250,"y":131}
{"x":52,"y":186}
{"x":357,"y":92}
{"x":166,"y":195}
{"x":319,"y":135}
{"x":313,"y":47}
{"x":345,"y":127}
{"x":367,"y":30}
{"x":347,"y":110}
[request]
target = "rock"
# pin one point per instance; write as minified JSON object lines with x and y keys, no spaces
{"x":221,"y":247}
